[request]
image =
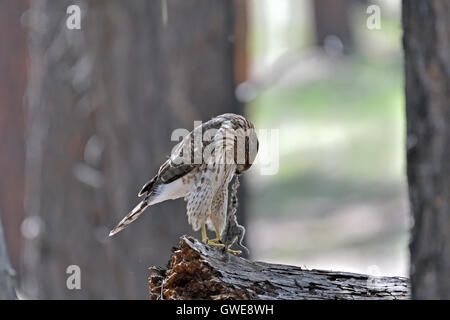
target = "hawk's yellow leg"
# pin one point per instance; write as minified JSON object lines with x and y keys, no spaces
{"x":204,"y":235}
{"x":213,"y":242}
{"x":216,"y":241}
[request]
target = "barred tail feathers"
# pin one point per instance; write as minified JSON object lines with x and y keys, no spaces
{"x":153,"y":194}
{"x":129,"y":218}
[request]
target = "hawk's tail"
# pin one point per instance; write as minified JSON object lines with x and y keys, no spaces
{"x":129,"y":218}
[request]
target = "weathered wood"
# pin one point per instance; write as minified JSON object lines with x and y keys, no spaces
{"x":199,"y":271}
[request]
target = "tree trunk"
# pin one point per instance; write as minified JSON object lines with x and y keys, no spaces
{"x":13,"y":64}
{"x":198,"y":271}
{"x":332,"y":18}
{"x":426,"y":43}
{"x":104,"y":101}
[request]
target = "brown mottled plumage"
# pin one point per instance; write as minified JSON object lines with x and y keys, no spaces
{"x":203,"y":183}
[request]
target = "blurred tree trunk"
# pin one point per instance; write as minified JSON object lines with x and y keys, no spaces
{"x":7,"y":283}
{"x":103,"y":102}
{"x":240,"y":41}
{"x":13,"y":63}
{"x":426,"y":43}
{"x":332,"y":18}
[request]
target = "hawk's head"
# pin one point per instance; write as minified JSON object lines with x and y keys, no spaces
{"x":251,"y":150}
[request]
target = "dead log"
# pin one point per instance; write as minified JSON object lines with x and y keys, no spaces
{"x":199,"y":271}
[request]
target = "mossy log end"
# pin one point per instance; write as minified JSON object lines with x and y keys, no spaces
{"x":199,"y":271}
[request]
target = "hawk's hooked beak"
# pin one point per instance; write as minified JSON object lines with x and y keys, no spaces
{"x":240,"y":169}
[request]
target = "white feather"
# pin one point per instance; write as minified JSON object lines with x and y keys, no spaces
{"x":174,"y":190}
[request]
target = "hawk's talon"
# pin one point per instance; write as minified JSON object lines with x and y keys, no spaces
{"x":216,"y":243}
{"x":236,"y":252}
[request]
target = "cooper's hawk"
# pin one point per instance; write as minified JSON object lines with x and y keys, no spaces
{"x":200,"y":169}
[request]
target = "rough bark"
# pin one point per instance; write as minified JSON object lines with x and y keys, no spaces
{"x":103,"y":103}
{"x":198,"y":271}
{"x":426,"y":43}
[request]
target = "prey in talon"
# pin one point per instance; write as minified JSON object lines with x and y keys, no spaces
{"x":233,"y":232}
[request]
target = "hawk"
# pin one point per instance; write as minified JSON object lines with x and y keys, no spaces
{"x":199,"y":170}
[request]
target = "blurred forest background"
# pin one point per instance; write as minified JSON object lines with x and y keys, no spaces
{"x":339,"y":199}
{"x":86,"y":117}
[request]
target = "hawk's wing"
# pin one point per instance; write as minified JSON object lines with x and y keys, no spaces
{"x":180,"y":163}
